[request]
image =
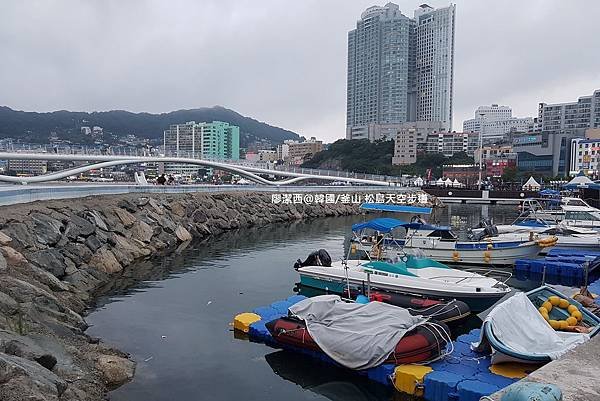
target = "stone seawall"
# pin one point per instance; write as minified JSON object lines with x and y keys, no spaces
{"x":57,"y":255}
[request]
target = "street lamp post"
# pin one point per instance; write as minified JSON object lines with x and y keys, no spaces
{"x":480,"y":184}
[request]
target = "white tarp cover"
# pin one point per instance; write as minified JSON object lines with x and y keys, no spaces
{"x":518,"y":325}
{"x":358,"y":336}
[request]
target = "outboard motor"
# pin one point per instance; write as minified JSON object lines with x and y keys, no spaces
{"x":317,"y":258}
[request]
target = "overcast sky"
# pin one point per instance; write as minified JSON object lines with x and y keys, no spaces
{"x":282,"y":62}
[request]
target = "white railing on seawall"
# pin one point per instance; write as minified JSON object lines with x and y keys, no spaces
{"x":10,"y":195}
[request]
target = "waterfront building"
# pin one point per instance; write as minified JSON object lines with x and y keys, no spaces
{"x":491,"y":151}
{"x":215,"y":140}
{"x":450,"y":143}
{"x":295,"y":152}
{"x":399,"y":69}
{"x":543,"y":152}
{"x":466,"y":174}
{"x":405,"y":147}
{"x":27,"y":167}
{"x":496,"y":164}
{"x":494,"y":122}
{"x":585,"y":154}
{"x":573,"y":117}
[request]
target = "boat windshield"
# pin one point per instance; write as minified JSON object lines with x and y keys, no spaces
{"x":575,"y":202}
{"x":443,"y":234}
{"x":577,"y":215}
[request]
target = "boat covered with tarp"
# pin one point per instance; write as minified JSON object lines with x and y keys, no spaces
{"x":360,"y":336}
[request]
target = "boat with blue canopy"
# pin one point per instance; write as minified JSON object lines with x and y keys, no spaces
{"x":440,"y":243}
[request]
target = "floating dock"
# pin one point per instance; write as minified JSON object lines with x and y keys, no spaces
{"x":464,"y":375}
{"x":560,"y":266}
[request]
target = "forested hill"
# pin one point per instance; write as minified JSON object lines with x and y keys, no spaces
{"x":362,"y":156}
{"x":36,"y":127}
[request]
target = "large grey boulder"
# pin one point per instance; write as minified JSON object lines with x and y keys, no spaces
{"x":96,"y":218}
{"x":47,"y":230}
{"x":93,"y":243}
{"x":22,"y":236}
{"x":79,"y":227}
{"x":22,"y":379}
{"x":26,"y":347}
{"x":50,"y":260}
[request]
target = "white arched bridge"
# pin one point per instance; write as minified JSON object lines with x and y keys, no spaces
{"x":103,"y":161}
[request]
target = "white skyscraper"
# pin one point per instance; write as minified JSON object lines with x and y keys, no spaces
{"x":495,"y":121}
{"x":435,"y":63}
{"x":399,"y":70}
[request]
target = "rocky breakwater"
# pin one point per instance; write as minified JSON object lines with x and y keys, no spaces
{"x":57,"y":256}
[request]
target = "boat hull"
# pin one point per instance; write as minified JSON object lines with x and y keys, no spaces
{"x":476,"y":303}
{"x":483,"y":253}
{"x":417,"y":346}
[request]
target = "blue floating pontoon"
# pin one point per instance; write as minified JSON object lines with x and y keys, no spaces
{"x":385,"y":207}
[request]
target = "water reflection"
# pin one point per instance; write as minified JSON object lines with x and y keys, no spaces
{"x":172,"y":313}
{"x":331,"y":382}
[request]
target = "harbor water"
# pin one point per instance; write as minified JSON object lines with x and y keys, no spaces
{"x":173,"y":315}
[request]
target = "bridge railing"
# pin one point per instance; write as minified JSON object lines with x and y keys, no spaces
{"x":10,"y":195}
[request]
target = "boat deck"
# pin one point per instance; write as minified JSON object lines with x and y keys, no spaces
{"x":464,"y":375}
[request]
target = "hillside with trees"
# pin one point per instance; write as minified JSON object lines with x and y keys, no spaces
{"x":363,"y":156}
{"x":35,"y":127}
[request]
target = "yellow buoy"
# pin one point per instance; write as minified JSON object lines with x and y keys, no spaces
{"x":554,"y":324}
{"x":563,"y":324}
{"x":563,"y":303}
{"x":577,"y":315}
{"x":554,"y":300}
{"x":408,"y":378}
{"x":571,"y":309}
{"x":243,"y":321}
{"x":547,"y":305}
{"x":571,"y":321}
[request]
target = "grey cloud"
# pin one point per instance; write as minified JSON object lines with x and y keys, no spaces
{"x":279,"y":61}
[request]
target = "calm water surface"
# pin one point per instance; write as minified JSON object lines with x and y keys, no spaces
{"x":176,"y":321}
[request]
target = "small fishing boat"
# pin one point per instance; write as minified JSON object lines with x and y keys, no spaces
{"x":566,"y":237}
{"x":536,"y":327}
{"x":570,"y":211}
{"x":417,"y":346}
{"x":440,"y":243}
{"x":419,"y":277}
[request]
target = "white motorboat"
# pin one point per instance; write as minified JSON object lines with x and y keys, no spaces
{"x":420,"y":277}
{"x":567,"y":236}
{"x":572,"y":212}
{"x":441,"y":244}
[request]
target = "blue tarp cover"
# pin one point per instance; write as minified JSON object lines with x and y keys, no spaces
{"x":383,"y":224}
{"x":386,"y":224}
{"x":384,"y":207}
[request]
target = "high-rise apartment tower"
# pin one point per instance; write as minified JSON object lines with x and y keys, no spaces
{"x":399,"y":68}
